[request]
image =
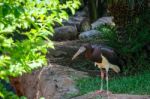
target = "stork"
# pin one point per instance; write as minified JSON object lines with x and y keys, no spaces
{"x":103,"y":57}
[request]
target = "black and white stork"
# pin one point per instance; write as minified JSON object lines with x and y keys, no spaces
{"x":103,"y":57}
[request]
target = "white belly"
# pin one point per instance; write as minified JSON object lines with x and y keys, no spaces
{"x":105,"y":64}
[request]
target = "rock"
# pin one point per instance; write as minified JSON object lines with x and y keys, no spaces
{"x":51,"y":82}
{"x":82,"y":13}
{"x":80,"y":20}
{"x":81,"y":23}
{"x":103,"y":21}
{"x":89,"y":34}
{"x":65,"y":33}
{"x":59,"y":53}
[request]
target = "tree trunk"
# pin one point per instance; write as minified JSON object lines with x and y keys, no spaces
{"x":96,"y":8}
{"x":101,"y":8}
{"x":92,"y":10}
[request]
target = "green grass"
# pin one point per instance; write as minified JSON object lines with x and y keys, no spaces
{"x":137,"y":84}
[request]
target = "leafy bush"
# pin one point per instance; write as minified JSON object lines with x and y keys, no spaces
{"x":132,"y":49}
{"x":24,"y":29}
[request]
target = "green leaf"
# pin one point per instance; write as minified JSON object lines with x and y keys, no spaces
{"x":6,"y":9}
{"x":1,"y":95}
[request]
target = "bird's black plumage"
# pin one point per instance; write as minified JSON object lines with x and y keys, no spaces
{"x":94,"y":52}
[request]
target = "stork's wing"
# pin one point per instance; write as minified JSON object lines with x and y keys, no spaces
{"x":111,"y":56}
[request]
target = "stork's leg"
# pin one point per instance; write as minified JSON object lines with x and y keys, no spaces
{"x":102,"y":77}
{"x":107,"y":78}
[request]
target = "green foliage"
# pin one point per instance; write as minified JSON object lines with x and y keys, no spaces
{"x":8,"y":94}
{"x":138,"y":36}
{"x":24,"y":29}
{"x":132,"y":49}
{"x":109,"y":35}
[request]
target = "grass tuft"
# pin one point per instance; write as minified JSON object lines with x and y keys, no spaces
{"x":137,"y":84}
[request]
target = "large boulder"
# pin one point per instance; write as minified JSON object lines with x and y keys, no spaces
{"x":81,"y":23}
{"x":51,"y":82}
{"x":80,"y":20}
{"x":102,"y":21}
{"x":90,"y":34}
{"x":65,"y":33}
{"x":83,"y":12}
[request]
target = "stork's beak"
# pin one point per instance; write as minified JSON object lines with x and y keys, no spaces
{"x":81,"y":50}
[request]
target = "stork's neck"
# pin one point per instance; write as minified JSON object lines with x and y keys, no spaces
{"x":88,"y":53}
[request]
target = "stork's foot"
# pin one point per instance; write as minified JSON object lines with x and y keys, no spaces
{"x":100,"y":92}
{"x":103,"y":92}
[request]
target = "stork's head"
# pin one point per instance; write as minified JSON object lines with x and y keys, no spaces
{"x":82,"y":49}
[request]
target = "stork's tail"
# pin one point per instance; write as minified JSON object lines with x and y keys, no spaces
{"x":115,"y":68}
